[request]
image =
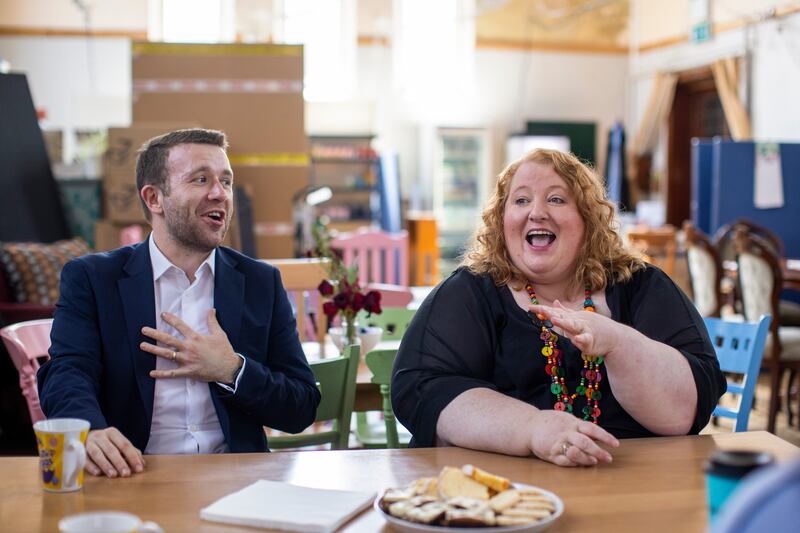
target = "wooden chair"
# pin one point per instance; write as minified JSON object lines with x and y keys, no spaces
{"x":26,"y":342}
{"x":740,"y":348}
{"x":380,"y":363}
{"x":705,"y":271}
{"x":300,"y":278}
{"x":381,"y":257}
{"x":660,"y":245}
{"x":761,"y":279}
{"x":336,"y":379}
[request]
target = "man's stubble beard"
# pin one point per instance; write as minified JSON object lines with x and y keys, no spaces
{"x":189,"y":235}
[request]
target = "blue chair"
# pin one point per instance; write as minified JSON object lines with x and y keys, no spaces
{"x":740,"y":348}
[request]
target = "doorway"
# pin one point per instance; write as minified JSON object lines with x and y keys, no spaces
{"x":696,"y":112}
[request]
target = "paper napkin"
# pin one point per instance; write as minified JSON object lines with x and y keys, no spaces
{"x":276,"y":505}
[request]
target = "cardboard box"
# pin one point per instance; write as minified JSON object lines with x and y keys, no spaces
{"x":271,"y":189}
{"x":252,"y":92}
{"x":119,"y":160}
{"x":121,"y":201}
{"x":107,"y":234}
{"x":277,"y":247}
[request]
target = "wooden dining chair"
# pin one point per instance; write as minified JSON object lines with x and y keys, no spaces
{"x":336,"y":380}
{"x":740,"y":349}
{"x":761,"y":280}
{"x":380,"y":363}
{"x":300,"y":278}
{"x":705,"y":271}
{"x":26,"y":343}
{"x":659,"y":244}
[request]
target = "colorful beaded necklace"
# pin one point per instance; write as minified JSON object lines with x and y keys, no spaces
{"x":590,"y":375}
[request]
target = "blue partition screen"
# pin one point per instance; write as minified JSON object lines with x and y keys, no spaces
{"x":733,"y":190}
{"x":702,"y":177}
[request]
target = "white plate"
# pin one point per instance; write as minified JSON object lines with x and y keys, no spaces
{"x":415,"y":527}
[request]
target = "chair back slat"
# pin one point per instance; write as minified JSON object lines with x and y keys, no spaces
{"x":380,"y":363}
{"x":393,"y":320}
{"x":740,"y":349}
{"x":336,"y":380}
{"x":381,"y":257}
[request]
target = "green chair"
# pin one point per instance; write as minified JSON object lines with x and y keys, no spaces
{"x":336,"y":380}
{"x":393,"y":320}
{"x":380,"y":364}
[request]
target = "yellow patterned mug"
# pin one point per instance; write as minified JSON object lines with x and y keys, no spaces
{"x":62,"y":454}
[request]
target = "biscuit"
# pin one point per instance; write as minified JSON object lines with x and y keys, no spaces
{"x":538,"y":504}
{"x":469,"y":518}
{"x":453,"y":482}
{"x":502,"y":520}
{"x":494,"y":482}
{"x":533,"y":514}
{"x":427,"y":514}
{"x":504,"y":500}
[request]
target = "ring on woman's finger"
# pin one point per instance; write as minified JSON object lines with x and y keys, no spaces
{"x":174,"y":355}
{"x":564,"y":447}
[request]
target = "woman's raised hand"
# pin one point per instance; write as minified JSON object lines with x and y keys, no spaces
{"x":592,"y":333}
{"x":565,"y":440}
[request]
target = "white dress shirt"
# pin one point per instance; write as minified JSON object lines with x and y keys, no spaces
{"x":184,"y":418}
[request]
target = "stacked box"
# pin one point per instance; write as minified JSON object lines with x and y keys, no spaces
{"x":120,"y":195}
{"x":252,"y":92}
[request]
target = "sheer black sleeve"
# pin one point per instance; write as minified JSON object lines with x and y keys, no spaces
{"x":660,"y":310}
{"x":448,"y":348}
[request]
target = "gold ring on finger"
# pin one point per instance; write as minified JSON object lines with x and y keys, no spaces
{"x":564,"y":447}
{"x":174,"y":355}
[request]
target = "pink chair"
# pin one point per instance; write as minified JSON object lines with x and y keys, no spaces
{"x":381,"y":257}
{"x":26,"y":342}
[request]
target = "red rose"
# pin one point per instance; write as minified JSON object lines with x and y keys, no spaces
{"x":341,"y":300}
{"x":330,"y":309}
{"x":372,"y":302}
{"x":325,"y":288}
{"x":358,"y":302}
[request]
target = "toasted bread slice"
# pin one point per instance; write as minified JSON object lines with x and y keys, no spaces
{"x":453,"y":482}
{"x":494,"y":482}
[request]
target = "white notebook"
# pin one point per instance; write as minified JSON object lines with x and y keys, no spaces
{"x":276,"y":505}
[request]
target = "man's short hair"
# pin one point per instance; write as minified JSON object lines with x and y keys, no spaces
{"x":151,"y":161}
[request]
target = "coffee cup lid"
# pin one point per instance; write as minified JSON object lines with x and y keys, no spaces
{"x":736,"y":463}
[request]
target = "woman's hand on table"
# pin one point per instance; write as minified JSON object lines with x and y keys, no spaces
{"x":592,"y":333}
{"x":561,"y":438}
{"x":109,"y":453}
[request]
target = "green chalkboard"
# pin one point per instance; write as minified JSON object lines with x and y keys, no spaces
{"x":582,"y":136}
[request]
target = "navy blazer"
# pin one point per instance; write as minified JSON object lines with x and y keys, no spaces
{"x":98,"y":372}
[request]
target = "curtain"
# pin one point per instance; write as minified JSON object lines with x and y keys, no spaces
{"x":658,"y":107}
{"x":726,"y":79}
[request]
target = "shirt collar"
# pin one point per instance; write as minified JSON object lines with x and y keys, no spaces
{"x":161,"y":264}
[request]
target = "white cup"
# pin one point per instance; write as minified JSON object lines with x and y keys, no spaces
{"x":106,"y":522}
{"x":62,"y":454}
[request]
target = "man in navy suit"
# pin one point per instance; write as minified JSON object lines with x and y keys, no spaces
{"x":177,"y":344}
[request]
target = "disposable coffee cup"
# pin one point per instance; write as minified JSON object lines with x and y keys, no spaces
{"x":62,"y":454}
{"x":725,"y":470}
{"x":107,"y":522}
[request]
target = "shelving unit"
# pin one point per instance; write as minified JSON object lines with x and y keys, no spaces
{"x":348,"y":165}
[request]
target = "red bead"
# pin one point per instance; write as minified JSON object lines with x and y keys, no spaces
{"x":559,"y":406}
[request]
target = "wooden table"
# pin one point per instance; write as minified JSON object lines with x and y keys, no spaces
{"x":653,"y":485}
